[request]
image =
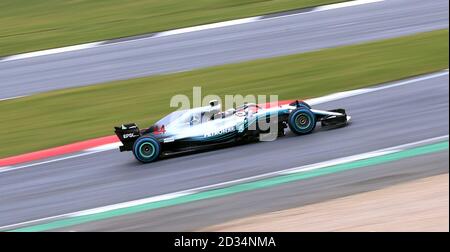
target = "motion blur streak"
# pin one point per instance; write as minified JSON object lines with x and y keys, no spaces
{"x":181,"y":52}
{"x":183,"y":30}
{"x":409,"y":113}
{"x":364,"y":160}
{"x":67,"y":149}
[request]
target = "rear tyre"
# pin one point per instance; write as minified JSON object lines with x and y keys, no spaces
{"x":302,"y":121}
{"x":146,"y":149}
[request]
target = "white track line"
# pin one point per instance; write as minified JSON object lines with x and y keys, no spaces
{"x":347,"y":94}
{"x":299,"y":169}
{"x":344,"y":4}
{"x":105,"y":147}
{"x":11,"y":98}
{"x":13,"y":168}
{"x":261,"y":18}
{"x":52,"y":51}
{"x":207,"y":26}
{"x":365,"y":155}
{"x":186,"y":30}
{"x":314,"y":101}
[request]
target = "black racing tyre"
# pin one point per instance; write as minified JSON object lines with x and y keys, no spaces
{"x":302,"y":121}
{"x":146,"y":149}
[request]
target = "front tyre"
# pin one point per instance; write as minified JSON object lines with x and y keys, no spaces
{"x":146,"y":149}
{"x":302,"y":121}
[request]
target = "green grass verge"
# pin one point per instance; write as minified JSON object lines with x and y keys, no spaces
{"x":29,"y":25}
{"x":66,"y":116}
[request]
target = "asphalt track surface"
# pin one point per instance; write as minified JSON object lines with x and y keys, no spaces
{"x":381,"y":119}
{"x":197,"y":215}
{"x":265,"y":38}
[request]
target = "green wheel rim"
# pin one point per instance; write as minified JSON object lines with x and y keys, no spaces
{"x":146,"y":150}
{"x":302,"y":121}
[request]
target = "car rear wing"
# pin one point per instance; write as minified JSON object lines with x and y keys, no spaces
{"x":128,"y":134}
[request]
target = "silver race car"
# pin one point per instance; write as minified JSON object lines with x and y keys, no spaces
{"x":207,"y":127}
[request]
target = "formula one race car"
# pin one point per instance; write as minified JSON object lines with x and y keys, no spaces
{"x":209,"y":126}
